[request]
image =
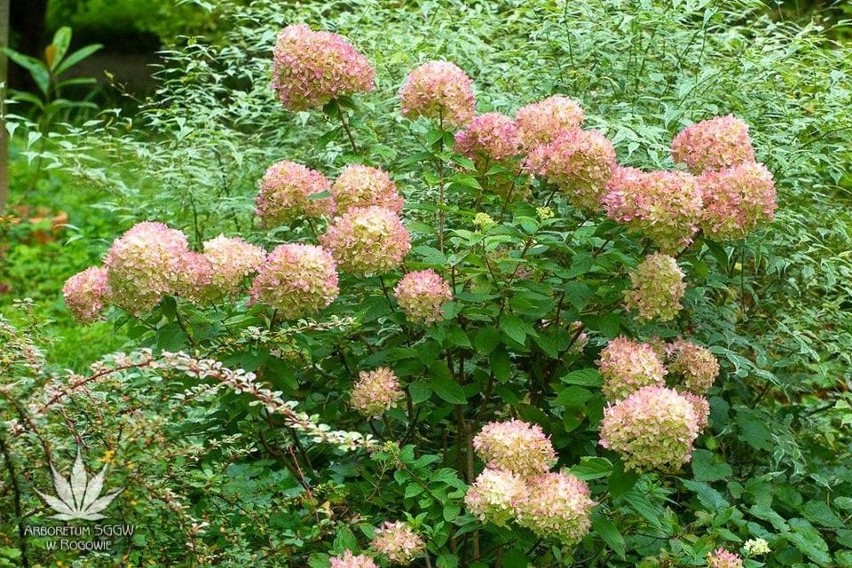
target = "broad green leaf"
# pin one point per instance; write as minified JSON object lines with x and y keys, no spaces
{"x":37,"y":69}
{"x":583,"y":377}
{"x":59,"y":47}
{"x":610,"y":534}
{"x":514,"y":327}
{"x":573,"y":396}
{"x":77,"y":57}
{"x":704,"y":467}
{"x":592,"y":468}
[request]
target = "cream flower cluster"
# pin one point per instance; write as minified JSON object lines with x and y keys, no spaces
{"x":398,"y":542}
{"x":421,"y":294}
{"x":376,"y":392}
{"x":580,"y":162}
{"x":289,"y":191}
{"x":657,"y":288}
{"x":516,"y":484}
{"x":653,"y":429}
{"x":87,"y":294}
{"x":515,"y":446}
{"x":312,"y":68}
{"x":364,"y":186}
{"x":541,"y":122}
{"x":439,"y":90}
{"x":349,"y":560}
{"x":696,"y":364}
{"x":713,"y":144}
{"x":297,"y":280}
{"x":367,"y":240}
{"x":627,"y":365}
{"x":722,"y":558}
{"x":144,"y":265}
{"x":490,"y":139}
{"x":665,"y":207}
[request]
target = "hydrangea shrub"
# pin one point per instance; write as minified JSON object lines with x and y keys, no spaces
{"x":498,"y":326}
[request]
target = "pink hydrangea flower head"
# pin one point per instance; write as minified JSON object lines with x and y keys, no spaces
{"x":376,"y":392}
{"x":580,"y":162}
{"x":398,"y":542}
{"x":367,"y":240}
{"x":515,"y":446}
{"x":349,"y":560}
{"x":721,"y":558}
{"x":363,"y":186}
{"x":664,"y":206}
{"x":696,"y":364}
{"x":145,"y":264}
{"x":657,"y":287}
{"x":439,"y":90}
{"x":311,"y":68}
{"x":297,"y":280}
{"x":288,"y":191}
{"x":232,"y":260}
{"x":653,"y":429}
{"x":541,"y":122}
{"x":701,"y":406}
{"x":87,"y":294}
{"x":556,"y":504}
{"x":713,"y":144}
{"x":626,"y":366}
{"x":737,"y":200}
{"x":490,"y":139}
{"x":195,"y":278}
{"x":421,"y":294}
{"x":494,"y":495}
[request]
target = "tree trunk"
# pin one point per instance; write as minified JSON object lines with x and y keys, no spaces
{"x":4,"y":79}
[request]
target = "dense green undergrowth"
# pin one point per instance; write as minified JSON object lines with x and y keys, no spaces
{"x":775,"y":308}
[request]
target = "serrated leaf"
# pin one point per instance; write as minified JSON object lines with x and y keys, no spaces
{"x":610,"y":534}
{"x":583,"y":377}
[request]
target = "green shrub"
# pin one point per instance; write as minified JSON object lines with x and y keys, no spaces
{"x":774,"y":308}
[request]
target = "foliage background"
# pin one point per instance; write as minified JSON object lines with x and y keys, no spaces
{"x":779,"y":305}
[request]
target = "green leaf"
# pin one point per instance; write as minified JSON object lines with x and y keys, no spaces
{"x":451,"y":511}
{"x":707,"y":496}
{"x":583,"y":377}
{"x":345,"y":540}
{"x":38,"y":70}
{"x":809,"y":542}
{"x":77,"y":57}
{"x":767,"y":514}
{"x":447,"y":561}
{"x":592,"y":468}
{"x":620,"y":480}
{"x":578,"y":294}
{"x":753,"y":431}
{"x":486,"y":340}
{"x":501,"y":364}
{"x":514,"y":327}
{"x":456,"y":336}
{"x":60,"y":44}
{"x":610,"y":534}
{"x":444,"y":386}
{"x":821,"y":514}
{"x":516,"y":558}
{"x":318,"y":560}
{"x":573,"y":396}
{"x":704,"y":468}
{"x":420,"y":391}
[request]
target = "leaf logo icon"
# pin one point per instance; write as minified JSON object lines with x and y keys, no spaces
{"x":78,"y":498}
